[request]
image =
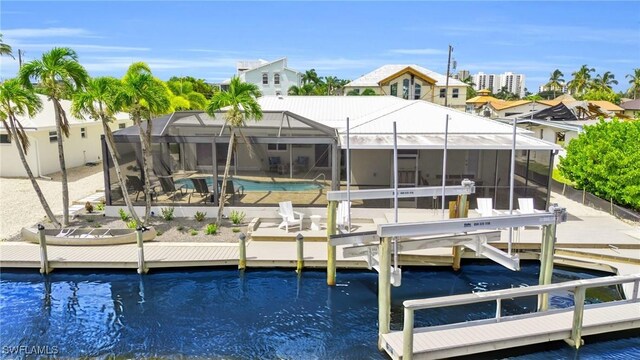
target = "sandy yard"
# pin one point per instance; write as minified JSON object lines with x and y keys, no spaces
{"x":19,"y":205}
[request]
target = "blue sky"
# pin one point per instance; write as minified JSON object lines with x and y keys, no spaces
{"x":345,"y":39}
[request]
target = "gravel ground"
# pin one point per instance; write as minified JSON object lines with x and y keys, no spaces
{"x":20,"y":207}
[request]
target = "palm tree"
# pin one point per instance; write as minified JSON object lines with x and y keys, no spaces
{"x":142,"y":96}
{"x":634,"y":81}
{"x":98,"y":102}
{"x":471,"y":92}
{"x":332,"y":84}
{"x":556,"y":81}
{"x":58,"y":74}
{"x":605,"y":81}
{"x":15,"y":100}
{"x":5,"y":49}
{"x":581,"y":79}
{"x":306,"y":89}
{"x":310,"y":76}
{"x":241,"y":98}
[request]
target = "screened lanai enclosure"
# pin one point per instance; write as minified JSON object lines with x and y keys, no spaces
{"x":289,"y":157}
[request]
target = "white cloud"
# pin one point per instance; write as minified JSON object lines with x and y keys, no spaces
{"x":45,"y":32}
{"x":83,"y":47}
{"x":121,"y":63}
{"x":418,"y":51}
{"x":332,"y":64}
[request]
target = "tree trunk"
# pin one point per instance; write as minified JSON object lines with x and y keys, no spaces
{"x":116,"y":166}
{"x":223,"y":188}
{"x":36,"y":187}
{"x":145,"y":168}
{"x":63,"y":167}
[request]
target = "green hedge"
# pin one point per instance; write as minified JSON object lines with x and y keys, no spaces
{"x":605,"y":161}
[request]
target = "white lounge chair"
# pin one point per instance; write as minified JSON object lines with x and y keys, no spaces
{"x":485,"y":207}
{"x":525,"y":206}
{"x":342,"y":215}
{"x":289,"y":218}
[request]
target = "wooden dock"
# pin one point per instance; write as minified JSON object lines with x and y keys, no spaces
{"x":498,"y":333}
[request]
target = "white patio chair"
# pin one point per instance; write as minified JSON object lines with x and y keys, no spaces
{"x":289,"y":218}
{"x":525,"y":206}
{"x":342,"y":215}
{"x":485,"y":207}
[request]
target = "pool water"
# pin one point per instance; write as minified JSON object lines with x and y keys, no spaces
{"x":250,"y":185}
{"x":259,"y":314}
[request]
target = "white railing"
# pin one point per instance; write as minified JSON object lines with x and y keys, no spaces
{"x":321,"y":175}
{"x":578,"y":286}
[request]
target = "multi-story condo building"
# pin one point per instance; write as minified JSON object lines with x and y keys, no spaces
{"x":514,"y":83}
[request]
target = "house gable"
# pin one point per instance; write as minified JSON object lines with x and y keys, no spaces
{"x":407,"y":70}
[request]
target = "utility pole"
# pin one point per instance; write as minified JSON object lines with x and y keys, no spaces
{"x":446,"y":86}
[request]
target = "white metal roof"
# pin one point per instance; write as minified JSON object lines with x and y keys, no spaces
{"x":373,"y":78}
{"x":46,"y":119}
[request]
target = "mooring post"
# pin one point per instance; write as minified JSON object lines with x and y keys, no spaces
{"x":331,"y":250}
{"x":407,"y":335}
{"x":578,"y":312}
{"x":384,"y":288}
{"x":141,"y":267}
{"x":242,"y":261}
{"x":461,"y":207}
{"x":546,"y":258}
{"x":300,"y":253}
{"x":44,"y":261}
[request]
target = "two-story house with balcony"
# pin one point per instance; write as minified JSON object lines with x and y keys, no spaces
{"x":272,"y":78}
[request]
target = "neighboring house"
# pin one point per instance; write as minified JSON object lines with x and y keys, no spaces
{"x":82,"y":146}
{"x":272,"y":78}
{"x":491,"y":107}
{"x":631,"y":108}
{"x":411,"y":82}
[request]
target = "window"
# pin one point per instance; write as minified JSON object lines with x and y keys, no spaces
{"x":122,"y":126}
{"x":443,"y":92}
{"x":277,"y":147}
{"x":5,"y":139}
{"x":455,"y":93}
{"x":394,"y":89}
{"x":405,"y":88}
{"x":83,"y":133}
{"x":416,"y":91}
{"x":276,"y":79}
{"x":265,"y":79}
{"x":53,"y":136}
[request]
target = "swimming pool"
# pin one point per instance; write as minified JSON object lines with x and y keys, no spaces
{"x":261,"y":314}
{"x":250,"y":185}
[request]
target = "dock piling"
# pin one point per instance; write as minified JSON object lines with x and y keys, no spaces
{"x":578,"y":315}
{"x":407,"y":334}
{"x":300,"y":253}
{"x":141,"y":267}
{"x":242,"y":251}
{"x":331,"y":250}
{"x":384,"y":288}
{"x":44,"y":261}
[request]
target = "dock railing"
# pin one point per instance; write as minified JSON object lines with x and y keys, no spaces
{"x":578,"y":286}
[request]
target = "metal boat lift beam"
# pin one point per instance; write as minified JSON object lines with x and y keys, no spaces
{"x":467,"y":188}
{"x":555,"y":215}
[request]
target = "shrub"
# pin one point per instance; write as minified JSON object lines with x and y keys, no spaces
{"x":132,"y":224}
{"x":235,"y":230}
{"x":100,"y":206}
{"x":604,"y":160}
{"x":89,"y":220}
{"x":167,"y":213}
{"x":89,"y":207}
{"x":193,"y":232}
{"x":158,"y":232}
{"x":211,"y":229}
{"x":123,"y":215}
{"x":237,"y":217}
{"x":199,"y":216}
{"x":179,"y":227}
{"x":96,"y":225}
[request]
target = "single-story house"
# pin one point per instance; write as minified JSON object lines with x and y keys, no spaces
{"x":304,"y":138}
{"x":81,"y":147}
{"x":631,"y":108}
{"x":411,"y":82}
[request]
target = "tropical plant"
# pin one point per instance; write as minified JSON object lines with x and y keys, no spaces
{"x":241,"y":100}
{"x":332,"y":84}
{"x":198,"y":85}
{"x":167,"y":213}
{"x":100,"y":206}
{"x":471,"y":92}
{"x":5,"y":49}
{"x":556,"y":81}
{"x":98,"y":102}
{"x":581,"y":80}
{"x":199,"y":216}
{"x":605,"y":80}
{"x":193,"y":232}
{"x":88,"y":206}
{"x":505,"y":94}
{"x":634,"y":82}
{"x":132,"y":224}
{"x":237,"y":217}
{"x":306,"y":89}
{"x":310,"y":76}
{"x":15,"y":100}
{"x":179,"y":227}
{"x":604,"y":160}
{"x":58,"y":73}
{"x":235,"y":230}
{"x":368,"y":92}
{"x":123,"y":215}
{"x":142,"y":96}
{"x":211,"y":229}
{"x":601,"y":93}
